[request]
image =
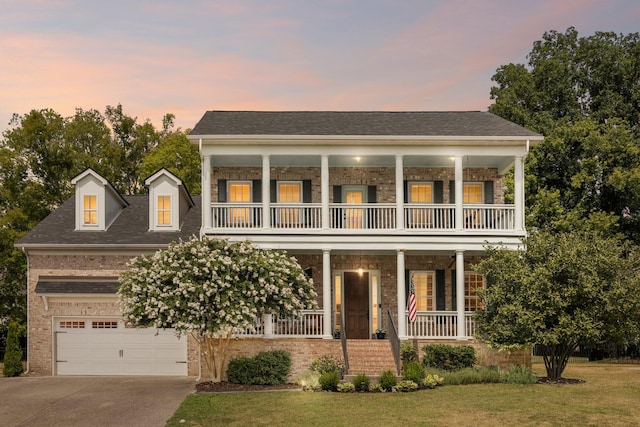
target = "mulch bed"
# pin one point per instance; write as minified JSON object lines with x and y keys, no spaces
{"x":546,"y":380}
{"x":227,"y":387}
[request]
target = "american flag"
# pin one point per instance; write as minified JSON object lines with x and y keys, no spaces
{"x":412,"y":301}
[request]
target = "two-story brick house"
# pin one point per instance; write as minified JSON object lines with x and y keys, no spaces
{"x":368,"y":202}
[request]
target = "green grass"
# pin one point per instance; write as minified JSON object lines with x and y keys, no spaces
{"x":609,"y":397}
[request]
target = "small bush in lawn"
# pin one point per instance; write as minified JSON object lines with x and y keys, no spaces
{"x":518,"y":374}
{"x":267,"y":367}
{"x":361,"y":382}
{"x":13,"y":353}
{"x":406,"y":385}
{"x":432,"y":381}
{"x":387,"y":380}
{"x":414,"y":371}
{"x":329,"y":381}
{"x":448,"y":357}
{"x":309,"y":380}
{"x":346,"y":388}
{"x":475,"y":375}
{"x":408,"y":352}
{"x":328,"y":363}
{"x":376,"y":388}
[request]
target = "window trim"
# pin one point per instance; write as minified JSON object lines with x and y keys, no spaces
{"x":412,"y":183}
{"x":468,"y":298}
{"x":426,"y":298}
{"x":299,"y":183}
{"x":230,"y":183}
{"x":473,"y":183}
{"x":86,"y":211}
{"x":168,"y":210}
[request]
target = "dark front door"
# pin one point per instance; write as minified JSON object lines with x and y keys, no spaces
{"x":356,"y":302}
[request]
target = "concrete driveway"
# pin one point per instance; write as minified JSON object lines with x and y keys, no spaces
{"x":91,"y":401}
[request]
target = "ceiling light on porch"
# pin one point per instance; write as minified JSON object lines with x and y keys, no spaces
{"x":360,"y":271}
{"x":357,"y":158}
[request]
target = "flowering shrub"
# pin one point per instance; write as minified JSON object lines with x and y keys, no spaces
{"x":328,"y":363}
{"x":211,"y":287}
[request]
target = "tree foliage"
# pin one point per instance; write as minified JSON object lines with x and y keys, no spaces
{"x":13,"y":354}
{"x":583,"y":95}
{"x":210,"y":288}
{"x":566,"y":289}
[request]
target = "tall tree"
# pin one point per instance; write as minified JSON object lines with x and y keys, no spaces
{"x":564,"y":290}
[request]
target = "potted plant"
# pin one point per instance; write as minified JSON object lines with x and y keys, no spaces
{"x":336,"y":333}
{"x":381,"y":334}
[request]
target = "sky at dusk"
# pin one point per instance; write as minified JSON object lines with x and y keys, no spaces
{"x":186,"y":57}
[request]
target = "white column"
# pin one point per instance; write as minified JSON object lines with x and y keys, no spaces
{"x":518,"y":193}
{"x":402,"y":300}
{"x":399,"y":193}
{"x":206,"y":192}
{"x":462,"y":334}
{"x":459,"y":193}
{"x":266,"y":192}
{"x":324,"y":190}
{"x":267,"y":320}
{"x":327,"y":307}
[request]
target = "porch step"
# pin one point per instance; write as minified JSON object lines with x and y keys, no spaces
{"x":370,"y":357}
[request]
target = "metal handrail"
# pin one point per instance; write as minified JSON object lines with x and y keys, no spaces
{"x":343,"y":338}
{"x":394,"y":340}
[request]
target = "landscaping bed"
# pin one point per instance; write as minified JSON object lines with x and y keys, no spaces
{"x":227,"y":387}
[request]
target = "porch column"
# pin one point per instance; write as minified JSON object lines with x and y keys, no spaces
{"x":462,"y":333}
{"x":459,"y":193}
{"x":399,"y":193}
{"x":267,"y":320}
{"x":518,"y":193}
{"x":266,"y":190}
{"x":326,"y":294}
{"x":402,"y":300}
{"x":324,"y":190}
{"x":206,"y":192}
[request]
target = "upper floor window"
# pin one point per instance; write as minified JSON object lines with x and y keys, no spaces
{"x":472,"y":192}
{"x":239,"y":192}
{"x":424,"y":286}
{"x":420,"y":192}
{"x":164,"y":210}
{"x":90,"y":210}
{"x":289,"y":192}
{"x":472,"y":283}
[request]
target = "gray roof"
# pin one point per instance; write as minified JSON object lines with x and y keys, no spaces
{"x":77,"y":285}
{"x":467,"y":123}
{"x":131,"y":228}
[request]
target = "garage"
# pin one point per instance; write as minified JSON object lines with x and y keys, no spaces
{"x":99,"y":346}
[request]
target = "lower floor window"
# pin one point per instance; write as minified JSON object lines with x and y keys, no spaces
{"x":423,"y":284}
{"x":472,"y":283}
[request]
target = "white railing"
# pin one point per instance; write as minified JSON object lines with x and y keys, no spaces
{"x":307,"y":325}
{"x":489,"y":217}
{"x":363,"y":216}
{"x":439,"y":324}
{"x":429,"y":216}
{"x":296,"y":216}
{"x":237,"y":215}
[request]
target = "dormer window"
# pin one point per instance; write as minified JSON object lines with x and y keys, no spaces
{"x":90,"y":210}
{"x":164,"y":210}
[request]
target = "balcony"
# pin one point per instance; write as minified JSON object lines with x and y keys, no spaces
{"x":355,"y":218}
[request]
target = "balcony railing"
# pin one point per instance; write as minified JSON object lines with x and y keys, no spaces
{"x":307,"y":325}
{"x":372,"y":216}
{"x":439,"y":324}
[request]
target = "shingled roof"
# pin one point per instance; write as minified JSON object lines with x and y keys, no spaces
{"x":131,"y":228}
{"x":467,"y":123}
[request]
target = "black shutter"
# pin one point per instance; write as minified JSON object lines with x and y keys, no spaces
{"x":308,"y":272}
{"x":256,"y":191}
{"x":337,"y":194}
{"x":452,"y":192}
{"x":438,"y":192}
{"x":453,"y":290}
{"x":273,"y":191}
{"x":371,"y":194}
{"x":488,"y":192}
{"x":406,"y":191}
{"x":407,"y":282}
{"x":222,"y":190}
{"x":440,"y":291}
{"x":306,"y":191}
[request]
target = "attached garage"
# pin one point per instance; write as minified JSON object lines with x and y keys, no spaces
{"x":98,"y":346}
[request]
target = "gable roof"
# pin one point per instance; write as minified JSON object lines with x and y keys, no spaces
{"x":130,"y":229}
{"x":179,"y":182}
{"x":102,"y":180}
{"x":465,"y":123}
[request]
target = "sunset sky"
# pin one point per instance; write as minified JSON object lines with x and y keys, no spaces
{"x":186,"y":57}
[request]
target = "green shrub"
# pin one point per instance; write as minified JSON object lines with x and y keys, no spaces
{"x":408,"y":352}
{"x":518,"y":374}
{"x":346,"y":388}
{"x":414,"y":371}
{"x":328,"y":363}
{"x":267,"y":367}
{"x":475,"y":375}
{"x":406,"y":385}
{"x":376,"y":388}
{"x":448,"y":357}
{"x":387,"y":380}
{"x":13,"y":353}
{"x":309,"y":380}
{"x":433,"y":380}
{"x":361,"y":382}
{"x":329,"y":381}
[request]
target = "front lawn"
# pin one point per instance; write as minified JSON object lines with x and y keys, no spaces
{"x":609,"y":397}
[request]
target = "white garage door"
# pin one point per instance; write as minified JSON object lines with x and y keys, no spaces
{"x":107,"y":347}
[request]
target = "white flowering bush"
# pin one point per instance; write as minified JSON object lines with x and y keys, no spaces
{"x":210,"y":287}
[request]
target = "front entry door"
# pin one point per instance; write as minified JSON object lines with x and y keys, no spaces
{"x":356,"y":302}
